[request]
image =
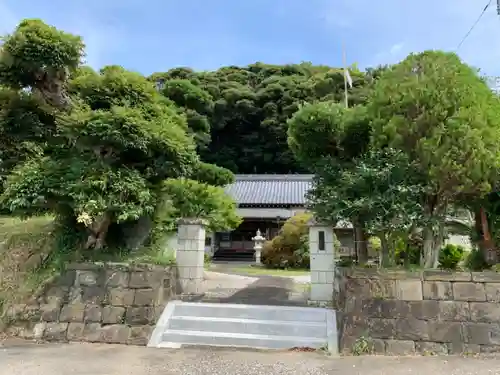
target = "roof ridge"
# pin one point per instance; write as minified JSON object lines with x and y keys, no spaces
{"x":270,"y":189}
{"x":273,"y":177}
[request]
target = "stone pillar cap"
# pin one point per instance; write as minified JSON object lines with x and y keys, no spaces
{"x":191,"y":221}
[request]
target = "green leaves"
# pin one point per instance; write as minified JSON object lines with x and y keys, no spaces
{"x":89,"y":188}
{"x":212,"y":175}
{"x":246,"y":109}
{"x":441,"y":114}
{"x":191,"y":198}
{"x":379,"y":189}
{"x":328,"y":129}
{"x":100,"y":159}
{"x":35,"y":49}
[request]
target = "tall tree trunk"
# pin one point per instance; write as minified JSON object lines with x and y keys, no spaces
{"x":361,"y":242}
{"x":433,"y":241}
{"x":385,"y":251}
{"x":485,"y":242}
{"x":427,"y":259}
{"x":432,"y":238}
{"x":438,"y":244}
{"x":98,"y":230}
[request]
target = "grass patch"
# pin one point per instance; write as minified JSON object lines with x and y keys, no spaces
{"x":24,"y":244}
{"x":145,"y":255}
{"x":271,"y":272}
{"x":36,"y":249}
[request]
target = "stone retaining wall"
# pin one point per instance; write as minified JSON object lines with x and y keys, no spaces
{"x":431,"y":312}
{"x":111,"y":303}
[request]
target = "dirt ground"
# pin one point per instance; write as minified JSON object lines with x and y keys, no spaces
{"x":100,"y":359}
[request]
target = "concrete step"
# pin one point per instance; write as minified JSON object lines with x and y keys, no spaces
{"x":259,"y":312}
{"x":251,"y":326}
{"x":174,"y":338}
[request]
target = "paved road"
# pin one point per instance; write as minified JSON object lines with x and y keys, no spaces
{"x":91,"y":359}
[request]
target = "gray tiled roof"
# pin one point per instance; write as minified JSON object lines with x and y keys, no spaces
{"x":279,"y":189}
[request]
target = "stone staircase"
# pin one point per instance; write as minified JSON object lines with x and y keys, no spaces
{"x":247,"y":326}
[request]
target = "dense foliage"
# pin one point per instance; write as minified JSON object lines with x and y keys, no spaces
{"x":97,"y":149}
{"x":450,"y":256}
{"x":106,"y":150}
{"x":290,"y":248}
{"x":426,"y":138}
{"x":240,"y":113}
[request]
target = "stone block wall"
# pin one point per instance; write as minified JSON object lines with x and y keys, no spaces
{"x":431,"y":312}
{"x":109,"y":303}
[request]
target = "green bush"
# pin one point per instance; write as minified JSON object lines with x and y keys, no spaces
{"x":290,"y":248}
{"x":348,"y":261}
{"x":375,"y":243}
{"x":475,"y":261}
{"x":450,"y":255}
{"x":207,"y":259}
{"x":301,"y":255}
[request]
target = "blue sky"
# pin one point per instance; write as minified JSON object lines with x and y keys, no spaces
{"x":156,"y":35}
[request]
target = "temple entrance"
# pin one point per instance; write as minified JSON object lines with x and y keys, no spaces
{"x":237,"y":245}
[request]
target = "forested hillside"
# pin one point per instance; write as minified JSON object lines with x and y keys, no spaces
{"x":240,"y":114}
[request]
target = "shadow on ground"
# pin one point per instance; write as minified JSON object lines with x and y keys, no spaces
{"x":264,"y":290}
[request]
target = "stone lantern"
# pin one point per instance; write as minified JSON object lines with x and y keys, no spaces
{"x":258,"y":242}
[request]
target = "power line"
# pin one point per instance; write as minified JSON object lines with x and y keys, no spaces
{"x":475,"y":24}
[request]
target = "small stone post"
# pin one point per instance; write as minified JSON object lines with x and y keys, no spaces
{"x":322,"y":254}
{"x":190,"y":257}
{"x":258,"y":242}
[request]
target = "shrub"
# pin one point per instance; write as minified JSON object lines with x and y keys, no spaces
{"x":450,"y":255}
{"x":475,"y":261}
{"x":289,"y":249}
{"x":207,"y":259}
{"x":374,"y":243}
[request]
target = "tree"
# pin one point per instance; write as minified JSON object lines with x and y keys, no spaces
{"x":247,"y":109}
{"x":196,"y":104}
{"x":189,"y":198}
{"x":106,"y":141}
{"x":378,"y":189}
{"x":443,"y":117}
{"x":40,"y":58}
{"x":329,"y":139}
{"x":328,"y":129}
{"x":212,"y":174}
{"x":35,"y":64}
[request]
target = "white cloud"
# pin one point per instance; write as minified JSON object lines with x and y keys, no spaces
{"x":396,"y":48}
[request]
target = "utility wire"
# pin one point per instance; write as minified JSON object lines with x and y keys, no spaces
{"x":474,"y":25}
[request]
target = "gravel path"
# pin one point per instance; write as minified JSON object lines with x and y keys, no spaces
{"x":93,"y":359}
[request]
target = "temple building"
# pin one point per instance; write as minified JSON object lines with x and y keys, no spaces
{"x":265,"y":202}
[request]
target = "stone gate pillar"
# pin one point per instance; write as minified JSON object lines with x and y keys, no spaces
{"x":190,"y":256}
{"x":322,"y":253}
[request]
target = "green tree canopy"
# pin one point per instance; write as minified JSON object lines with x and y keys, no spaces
{"x":443,"y":116}
{"x":102,"y":157}
{"x":247,"y":109}
{"x":329,"y":130}
{"x":191,"y":198}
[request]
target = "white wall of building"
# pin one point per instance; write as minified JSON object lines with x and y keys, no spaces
{"x":457,"y":239}
{"x":269,"y":213}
